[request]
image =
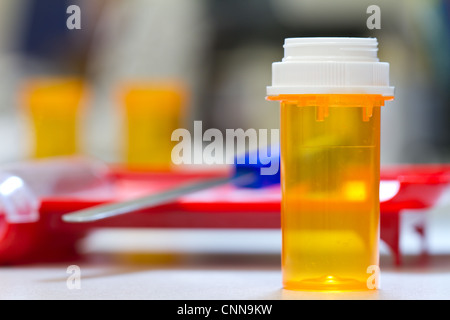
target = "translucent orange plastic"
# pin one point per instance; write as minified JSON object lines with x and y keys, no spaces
{"x":153,"y":112}
{"x":330,"y":162}
{"x":54,"y":105}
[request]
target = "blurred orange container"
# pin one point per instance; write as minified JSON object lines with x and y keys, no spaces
{"x":153,"y":110}
{"x":54,"y":105}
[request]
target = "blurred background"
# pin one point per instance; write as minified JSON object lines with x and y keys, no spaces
{"x":212,"y":60}
{"x":221,"y":54}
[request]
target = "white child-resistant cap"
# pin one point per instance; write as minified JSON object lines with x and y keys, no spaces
{"x":330,"y":66}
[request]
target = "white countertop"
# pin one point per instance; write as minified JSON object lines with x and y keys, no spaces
{"x":221,"y":264}
{"x":225,"y":277}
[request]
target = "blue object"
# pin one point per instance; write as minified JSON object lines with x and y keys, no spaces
{"x":265,"y":169}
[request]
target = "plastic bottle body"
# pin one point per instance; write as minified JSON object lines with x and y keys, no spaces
{"x":331,"y":92}
{"x":330,"y":151}
{"x":54,"y":106}
{"x":152,"y":113}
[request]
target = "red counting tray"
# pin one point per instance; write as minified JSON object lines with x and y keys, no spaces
{"x":405,"y":187}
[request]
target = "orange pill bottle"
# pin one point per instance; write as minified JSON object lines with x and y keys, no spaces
{"x":153,"y":110}
{"x":54,"y":105}
{"x":331,"y":91}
